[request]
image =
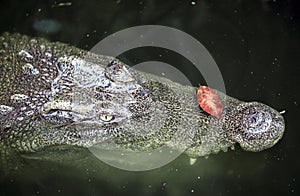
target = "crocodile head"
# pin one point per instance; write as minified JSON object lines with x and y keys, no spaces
{"x":49,"y":97}
{"x":110,"y":101}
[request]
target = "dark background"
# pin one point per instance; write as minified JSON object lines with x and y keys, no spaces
{"x":256,"y":46}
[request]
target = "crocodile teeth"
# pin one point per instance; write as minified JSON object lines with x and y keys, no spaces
{"x":192,"y":161}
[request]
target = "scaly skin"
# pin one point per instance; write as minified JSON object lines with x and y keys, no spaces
{"x":52,"y":94}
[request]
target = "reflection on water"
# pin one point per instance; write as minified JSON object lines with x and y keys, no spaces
{"x":86,"y":174}
{"x":255,"y":44}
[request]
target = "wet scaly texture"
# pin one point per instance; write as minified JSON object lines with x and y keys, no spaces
{"x":52,"y":94}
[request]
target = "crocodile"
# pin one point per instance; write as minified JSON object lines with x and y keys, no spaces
{"x":54,"y":94}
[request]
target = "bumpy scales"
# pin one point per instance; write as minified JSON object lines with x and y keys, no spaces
{"x":53,"y":94}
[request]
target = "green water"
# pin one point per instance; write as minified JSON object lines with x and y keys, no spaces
{"x":254,"y":43}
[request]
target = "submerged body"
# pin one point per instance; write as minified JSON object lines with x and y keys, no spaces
{"x":52,"y":94}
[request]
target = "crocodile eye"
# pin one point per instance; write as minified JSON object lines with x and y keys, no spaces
{"x":106,"y":117}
